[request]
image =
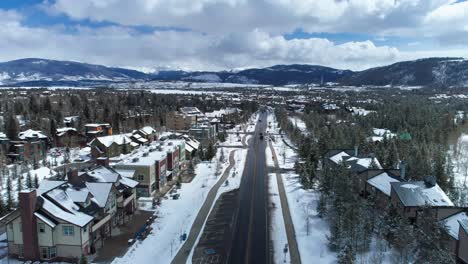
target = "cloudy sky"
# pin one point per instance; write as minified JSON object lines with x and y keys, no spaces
{"x":232,"y":34}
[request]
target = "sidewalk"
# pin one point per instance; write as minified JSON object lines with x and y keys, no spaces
{"x":202,"y":215}
{"x":289,"y":225}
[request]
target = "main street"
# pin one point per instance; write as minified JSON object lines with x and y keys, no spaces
{"x":251,"y":240}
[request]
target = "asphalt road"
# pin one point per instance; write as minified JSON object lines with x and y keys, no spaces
{"x":250,"y":243}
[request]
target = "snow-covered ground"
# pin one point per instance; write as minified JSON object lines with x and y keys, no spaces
{"x":56,"y":156}
{"x":311,"y":230}
{"x":40,"y":173}
{"x":299,"y":123}
{"x":278,"y":230}
{"x":313,"y":244}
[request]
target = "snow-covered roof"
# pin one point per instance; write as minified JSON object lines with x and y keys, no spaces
{"x":148,"y":130}
{"x":145,"y":156}
{"x":97,"y":125}
{"x":67,"y":211}
{"x":382,"y":182}
{"x":366,"y":162}
{"x":190,"y":111}
{"x":45,"y":219}
{"x":47,"y":185}
{"x":188,"y":148}
{"x":107,"y":141}
{"x":3,"y":136}
{"x":101,"y":174}
{"x":452,"y":224}
{"x":63,"y":130}
{"x":418,"y":194}
{"x":382,"y":132}
{"x":78,"y":195}
{"x":338,"y":158}
{"x":128,"y":182}
{"x":100,"y":192}
{"x":126,"y":173}
{"x":31,"y":134}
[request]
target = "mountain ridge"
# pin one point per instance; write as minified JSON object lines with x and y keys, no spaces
{"x":444,"y":71}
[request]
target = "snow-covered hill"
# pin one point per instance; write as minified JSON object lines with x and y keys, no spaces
{"x":41,"y":70}
{"x":437,"y":72}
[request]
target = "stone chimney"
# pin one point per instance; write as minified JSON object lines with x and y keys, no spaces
{"x":27,"y":205}
{"x":103,"y":161}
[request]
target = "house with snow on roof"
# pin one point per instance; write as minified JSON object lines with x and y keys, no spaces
{"x":376,"y":183}
{"x":457,"y":228}
{"x":66,"y":218}
{"x":410,"y":197}
{"x":112,"y":146}
{"x":93,"y":131}
{"x":147,"y":132}
{"x":31,"y":146}
{"x":69,"y":137}
{"x":150,"y":164}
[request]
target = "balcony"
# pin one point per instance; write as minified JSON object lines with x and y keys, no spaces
{"x":126,"y":201}
{"x":101,"y":223}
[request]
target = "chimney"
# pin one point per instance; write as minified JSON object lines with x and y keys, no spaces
{"x":72,"y":175}
{"x":430,"y":181}
{"x":103,"y":161}
{"x":27,"y":203}
{"x":356,"y":151}
{"x":403,"y":170}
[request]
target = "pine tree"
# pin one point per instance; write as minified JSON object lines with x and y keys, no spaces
{"x":433,"y":244}
{"x":3,"y":209}
{"x":83,"y":260}
{"x":19,"y":186}
{"x":29,"y":182}
{"x":347,"y":255}
{"x":210,"y":152}
{"x":9,"y":194}
{"x":12,"y":127}
{"x":36,"y":181}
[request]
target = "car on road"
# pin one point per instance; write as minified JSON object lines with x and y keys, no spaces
{"x":261,"y":136}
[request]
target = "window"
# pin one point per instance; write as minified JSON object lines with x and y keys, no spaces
{"x":44,"y":253}
{"x":52,"y":252}
{"x":41,"y":227}
{"x":68,"y":231}
{"x":141,"y":177}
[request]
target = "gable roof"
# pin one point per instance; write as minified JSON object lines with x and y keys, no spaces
{"x":100,"y":174}
{"x":57,"y":204}
{"x":418,"y":194}
{"x":107,"y":141}
{"x":31,"y":134}
{"x":452,"y":224}
{"x":382,"y":182}
{"x":147,"y":130}
{"x":100,"y":192}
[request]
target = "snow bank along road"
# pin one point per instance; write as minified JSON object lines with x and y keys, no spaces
{"x":197,"y":226}
{"x":250,"y":245}
{"x":289,"y":225}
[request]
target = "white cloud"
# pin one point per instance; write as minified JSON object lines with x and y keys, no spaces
{"x":273,"y":16}
{"x":117,"y":46}
{"x":237,"y":33}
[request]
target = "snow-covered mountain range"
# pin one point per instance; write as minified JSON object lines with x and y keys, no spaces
{"x":442,"y":72}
